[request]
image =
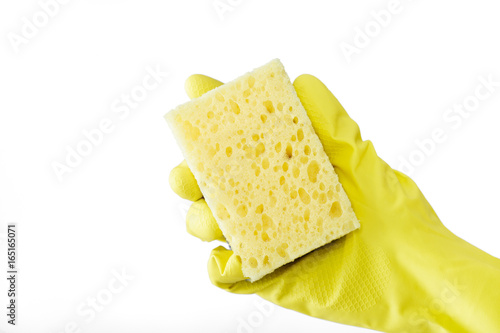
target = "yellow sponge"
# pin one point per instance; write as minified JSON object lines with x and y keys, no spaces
{"x":262,"y":170}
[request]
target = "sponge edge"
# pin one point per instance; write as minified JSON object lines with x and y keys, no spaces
{"x":262,"y":170}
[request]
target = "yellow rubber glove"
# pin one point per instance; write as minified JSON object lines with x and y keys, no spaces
{"x":402,"y":271}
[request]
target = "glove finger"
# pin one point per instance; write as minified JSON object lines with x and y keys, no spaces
{"x":201,"y":223}
{"x":183,"y":183}
{"x":336,"y":130}
{"x":198,"y":84}
{"x":355,"y":160}
{"x":224,"y":267}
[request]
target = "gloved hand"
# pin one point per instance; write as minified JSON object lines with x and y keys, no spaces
{"x":402,"y":271}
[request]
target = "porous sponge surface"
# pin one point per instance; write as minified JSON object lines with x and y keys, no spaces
{"x":262,"y":169}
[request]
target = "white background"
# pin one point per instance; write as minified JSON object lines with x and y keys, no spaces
{"x":116,"y":211}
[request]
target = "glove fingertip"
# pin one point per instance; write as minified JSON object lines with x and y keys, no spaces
{"x":198,"y":84}
{"x":201,"y":223}
{"x":224,"y":267}
{"x":183,"y":183}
